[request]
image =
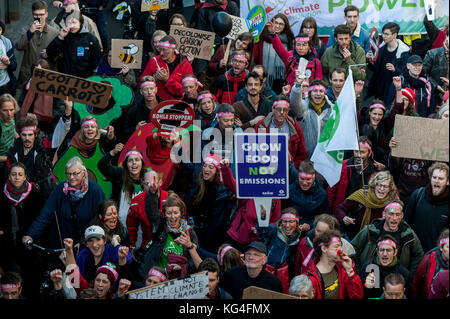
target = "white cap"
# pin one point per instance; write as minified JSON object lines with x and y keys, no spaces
{"x":94,"y":231}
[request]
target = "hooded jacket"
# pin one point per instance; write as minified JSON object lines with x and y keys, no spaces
{"x":291,"y":60}
{"x":297,"y":148}
{"x":312,"y":124}
{"x":81,"y":53}
{"x":410,"y":251}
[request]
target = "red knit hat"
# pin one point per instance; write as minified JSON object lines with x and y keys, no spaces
{"x":110,"y":271}
{"x":409,"y":94}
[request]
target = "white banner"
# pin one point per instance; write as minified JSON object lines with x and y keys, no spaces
{"x":409,"y":14}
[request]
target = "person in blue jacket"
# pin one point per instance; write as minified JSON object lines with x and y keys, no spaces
{"x":306,"y":195}
{"x":74,"y":203}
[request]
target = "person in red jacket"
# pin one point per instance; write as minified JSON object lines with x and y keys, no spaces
{"x":168,"y":69}
{"x":435,"y":261}
{"x":278,"y":121}
{"x":138,"y":213}
{"x":334,"y":276}
{"x":302,"y":49}
{"x":227,"y":85}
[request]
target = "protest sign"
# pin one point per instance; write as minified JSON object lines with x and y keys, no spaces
{"x":430,"y":9}
{"x":421,"y":138}
{"x":128,"y":52}
{"x":408,"y":14}
{"x":262,"y":169}
{"x":374,"y":44}
{"x":193,"y":287}
{"x":170,"y":115}
{"x":77,"y":89}
{"x":239,"y":26}
{"x":153,"y":5}
{"x":256,"y":21}
{"x":253,"y":292}
{"x":197,"y":42}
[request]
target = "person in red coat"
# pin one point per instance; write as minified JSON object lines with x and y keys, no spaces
{"x":334,"y":276}
{"x":278,"y":121}
{"x":434,"y":262}
{"x":138,"y":213}
{"x":168,"y":69}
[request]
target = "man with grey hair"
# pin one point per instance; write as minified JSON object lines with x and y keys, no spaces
{"x":69,"y":208}
{"x":301,"y":287}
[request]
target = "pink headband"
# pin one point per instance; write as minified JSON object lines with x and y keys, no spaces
{"x":211,"y":160}
{"x":332,"y":241}
{"x":391,"y":207}
{"x":240,"y":57}
{"x":377,"y":105}
{"x":302,"y":39}
{"x":319,"y":87}
{"x":281,"y":102}
{"x":289,"y":216}
{"x":134,"y":153}
{"x":365,"y":144}
{"x":156,"y":273}
{"x":10,"y":286}
{"x":387,"y":242}
{"x":193,"y":80}
{"x":89,"y":122}
{"x":147,"y":83}
{"x":305,"y":175}
{"x":205,"y":96}
{"x":167,"y":45}
{"x":28,"y":128}
{"x":443,"y":241}
{"x":223,"y":114}
{"x":223,"y":252}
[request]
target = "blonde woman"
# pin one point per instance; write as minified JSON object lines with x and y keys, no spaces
{"x":362,"y":207}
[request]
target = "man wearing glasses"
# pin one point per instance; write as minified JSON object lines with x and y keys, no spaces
{"x":410,"y":250}
{"x":253,"y":273}
{"x":35,"y":40}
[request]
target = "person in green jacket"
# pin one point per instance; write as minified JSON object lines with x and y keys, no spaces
{"x":410,"y":250}
{"x":343,"y":53}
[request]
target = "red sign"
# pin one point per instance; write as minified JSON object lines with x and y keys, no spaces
{"x":374,"y":44}
{"x":170,"y":115}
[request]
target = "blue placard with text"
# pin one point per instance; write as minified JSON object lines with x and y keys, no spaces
{"x":262,"y":166}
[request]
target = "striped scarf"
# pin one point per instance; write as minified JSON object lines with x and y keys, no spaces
{"x":77,"y":194}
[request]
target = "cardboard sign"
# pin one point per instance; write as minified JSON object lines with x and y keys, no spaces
{"x":197,"y":42}
{"x":256,"y":19}
{"x":128,"y":52}
{"x":421,"y":138}
{"x":193,"y":287}
{"x":77,"y":89}
{"x":153,"y":5}
{"x":253,"y":292}
{"x":239,"y":26}
{"x":374,"y":44}
{"x":170,"y":115}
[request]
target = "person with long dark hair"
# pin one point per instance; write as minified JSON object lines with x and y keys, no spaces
{"x":309,"y":27}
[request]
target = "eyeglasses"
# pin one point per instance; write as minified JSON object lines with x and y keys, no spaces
{"x":74,"y":174}
{"x":385,"y":250}
{"x":240,"y":62}
{"x":282,"y":109}
{"x":382,"y":186}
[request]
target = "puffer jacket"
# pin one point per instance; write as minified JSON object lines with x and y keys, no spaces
{"x":81,"y":53}
{"x":297,"y":148}
{"x":245,"y":217}
{"x":291,"y":60}
{"x":365,"y":243}
{"x":312,"y":124}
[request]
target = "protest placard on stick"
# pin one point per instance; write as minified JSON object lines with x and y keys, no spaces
{"x":197,"y":42}
{"x":128,"y":52}
{"x":60,"y":85}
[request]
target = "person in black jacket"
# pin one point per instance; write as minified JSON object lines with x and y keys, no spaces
{"x":29,"y":150}
{"x":236,"y":279}
{"x":80,"y":49}
{"x":215,"y":292}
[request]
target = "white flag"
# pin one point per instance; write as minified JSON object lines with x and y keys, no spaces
{"x":339,"y":134}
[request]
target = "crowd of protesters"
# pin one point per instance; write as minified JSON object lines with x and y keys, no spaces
{"x":380,"y":232}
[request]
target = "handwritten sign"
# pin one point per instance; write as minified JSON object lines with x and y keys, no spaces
{"x":421,"y":138}
{"x":193,"y":287}
{"x":153,"y":5}
{"x":198,"y":43}
{"x":253,"y":292}
{"x":239,"y":26}
{"x":128,"y":52}
{"x":77,"y":89}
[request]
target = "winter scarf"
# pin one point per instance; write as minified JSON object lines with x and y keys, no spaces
{"x":16,"y":196}
{"x":81,"y":146}
{"x":275,"y":66}
{"x":317,"y":107}
{"x":77,"y":194}
{"x":371,"y":201}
